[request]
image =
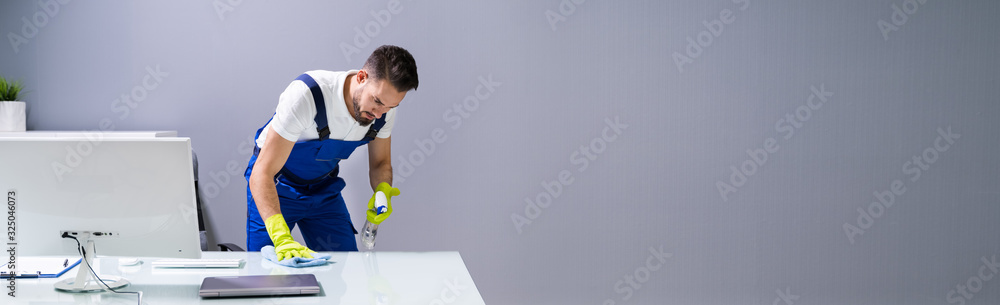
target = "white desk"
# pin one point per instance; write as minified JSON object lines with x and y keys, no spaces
{"x":353,"y":278}
{"x":86,"y":134}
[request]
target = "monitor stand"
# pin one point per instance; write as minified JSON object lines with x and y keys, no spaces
{"x":85,"y":280}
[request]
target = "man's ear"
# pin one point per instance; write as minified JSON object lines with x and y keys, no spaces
{"x":362,"y":76}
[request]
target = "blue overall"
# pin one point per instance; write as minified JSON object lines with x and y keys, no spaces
{"x":308,"y":187}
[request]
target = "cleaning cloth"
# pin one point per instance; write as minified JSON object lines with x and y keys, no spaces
{"x":318,"y":259}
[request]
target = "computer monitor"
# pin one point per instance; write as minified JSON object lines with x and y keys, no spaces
{"x":129,"y":196}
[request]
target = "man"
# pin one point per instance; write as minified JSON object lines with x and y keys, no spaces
{"x":321,"y":118}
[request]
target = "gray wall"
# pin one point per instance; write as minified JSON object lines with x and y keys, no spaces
{"x":839,"y":109}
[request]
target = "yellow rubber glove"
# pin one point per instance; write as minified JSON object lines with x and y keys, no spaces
{"x":281,"y":236}
{"x":389,"y":191}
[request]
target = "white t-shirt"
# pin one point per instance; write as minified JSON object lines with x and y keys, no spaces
{"x":294,"y":116}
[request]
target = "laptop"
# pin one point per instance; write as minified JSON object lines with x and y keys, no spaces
{"x":259,"y":285}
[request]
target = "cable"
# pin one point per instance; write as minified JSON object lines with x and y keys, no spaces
{"x":83,"y":252}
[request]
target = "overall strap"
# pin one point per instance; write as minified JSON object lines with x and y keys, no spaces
{"x":321,"y":125}
{"x":373,"y":131}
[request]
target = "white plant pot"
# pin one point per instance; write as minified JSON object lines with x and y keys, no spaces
{"x":12,"y":116}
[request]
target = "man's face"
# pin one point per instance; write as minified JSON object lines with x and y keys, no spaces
{"x":373,"y":99}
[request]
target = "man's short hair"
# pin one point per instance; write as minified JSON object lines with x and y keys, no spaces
{"x":395,"y":65}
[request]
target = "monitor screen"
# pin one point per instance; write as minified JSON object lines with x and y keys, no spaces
{"x":141,"y":190}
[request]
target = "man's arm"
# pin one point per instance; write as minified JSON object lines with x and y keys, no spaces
{"x":270,"y":160}
{"x":379,"y":161}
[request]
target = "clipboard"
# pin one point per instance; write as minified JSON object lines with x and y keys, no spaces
{"x":40,"y":267}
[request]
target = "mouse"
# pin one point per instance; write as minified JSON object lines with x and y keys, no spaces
{"x":129,"y":261}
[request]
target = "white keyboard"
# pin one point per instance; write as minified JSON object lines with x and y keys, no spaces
{"x":199,"y":263}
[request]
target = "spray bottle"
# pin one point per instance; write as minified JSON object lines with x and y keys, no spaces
{"x":370,"y":229}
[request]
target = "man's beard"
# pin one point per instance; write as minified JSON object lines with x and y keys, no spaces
{"x":357,"y":111}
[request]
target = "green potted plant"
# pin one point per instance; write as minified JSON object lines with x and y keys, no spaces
{"x":12,"y":114}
